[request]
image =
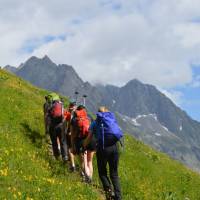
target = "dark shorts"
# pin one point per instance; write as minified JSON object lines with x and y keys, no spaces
{"x":92,"y":145}
{"x":69,"y":143}
{"x":79,"y":145}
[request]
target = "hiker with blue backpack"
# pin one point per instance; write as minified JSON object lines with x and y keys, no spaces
{"x":107,"y":133}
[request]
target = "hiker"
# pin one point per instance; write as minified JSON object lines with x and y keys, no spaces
{"x":80,"y":125}
{"x":90,"y":150}
{"x":108,"y":133}
{"x":68,"y":116}
{"x":46,"y":108}
{"x":56,"y":129}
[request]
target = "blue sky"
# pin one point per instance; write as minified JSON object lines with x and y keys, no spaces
{"x":155,"y":41}
{"x":190,"y":99}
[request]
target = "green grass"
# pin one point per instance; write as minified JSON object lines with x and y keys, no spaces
{"x":28,"y":172}
{"x":26,"y":169}
{"x":150,"y":175}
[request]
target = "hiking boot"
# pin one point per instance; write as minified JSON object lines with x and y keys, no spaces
{"x":83,"y":179}
{"x":110,"y":195}
{"x":65,"y":159}
{"x":88,"y":179}
{"x":83,"y":176}
{"x":72,"y":169}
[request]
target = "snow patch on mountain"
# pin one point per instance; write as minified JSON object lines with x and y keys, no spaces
{"x":148,"y":115}
{"x":157,"y":134}
{"x":165,"y":128}
{"x":154,"y":116}
{"x":135,"y":122}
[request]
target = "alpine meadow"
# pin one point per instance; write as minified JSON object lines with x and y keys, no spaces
{"x":28,"y":171}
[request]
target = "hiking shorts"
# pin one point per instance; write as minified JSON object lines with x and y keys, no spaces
{"x":79,"y":146}
{"x":68,"y":138}
{"x":92,"y":145}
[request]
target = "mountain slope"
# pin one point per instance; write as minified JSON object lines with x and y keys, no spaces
{"x":131,"y":100}
{"x":148,"y":129}
{"x":136,"y":99}
{"x":26,"y":171}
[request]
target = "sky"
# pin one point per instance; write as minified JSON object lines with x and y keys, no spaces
{"x":111,"y":41}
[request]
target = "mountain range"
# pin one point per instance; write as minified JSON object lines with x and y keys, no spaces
{"x":142,"y":110}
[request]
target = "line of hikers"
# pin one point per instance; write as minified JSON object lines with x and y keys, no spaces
{"x":73,"y":132}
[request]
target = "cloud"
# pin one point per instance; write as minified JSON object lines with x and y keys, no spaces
{"x":106,"y":41}
{"x":175,"y":95}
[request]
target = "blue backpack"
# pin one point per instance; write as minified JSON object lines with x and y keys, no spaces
{"x":107,"y":125}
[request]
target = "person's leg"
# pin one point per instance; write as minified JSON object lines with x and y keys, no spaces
{"x":101,"y":164}
{"x":58,"y":142}
{"x":63,"y":144}
{"x":70,"y":154}
{"x":72,"y":160}
{"x":82,"y":158}
{"x":90,"y":155}
{"x":85,"y":162}
{"x":53,"y":137}
{"x":113,"y":168}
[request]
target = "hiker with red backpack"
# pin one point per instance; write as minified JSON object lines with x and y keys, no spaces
{"x":68,"y":116}
{"x":108,"y":133}
{"x":80,"y":124}
{"x":56,"y":129}
{"x":90,"y":148}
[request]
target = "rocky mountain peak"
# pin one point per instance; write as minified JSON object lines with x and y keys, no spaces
{"x":10,"y":68}
{"x":47,"y":59}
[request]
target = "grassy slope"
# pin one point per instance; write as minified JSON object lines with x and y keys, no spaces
{"x":26,"y":170}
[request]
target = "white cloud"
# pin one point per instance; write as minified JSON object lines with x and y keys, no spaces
{"x":175,"y":96}
{"x":151,"y":40}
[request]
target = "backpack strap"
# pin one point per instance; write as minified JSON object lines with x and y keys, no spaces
{"x":103,"y":135}
{"x":62,"y":109}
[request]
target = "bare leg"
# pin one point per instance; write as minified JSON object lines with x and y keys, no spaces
{"x":90,"y":155}
{"x":87,"y":170}
{"x":72,"y":161}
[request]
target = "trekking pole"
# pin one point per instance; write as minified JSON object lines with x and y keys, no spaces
{"x":76,"y":96}
{"x":84,"y":99}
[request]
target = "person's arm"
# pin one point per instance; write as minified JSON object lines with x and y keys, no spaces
{"x":90,"y":134}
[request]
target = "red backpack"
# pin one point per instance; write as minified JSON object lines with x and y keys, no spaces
{"x":57,"y":110}
{"x":82,"y":122}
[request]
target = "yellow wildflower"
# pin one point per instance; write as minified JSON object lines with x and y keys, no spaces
{"x":6,"y":152}
{"x":50,"y":180}
{"x":19,"y":193}
{"x":4,"y":172}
